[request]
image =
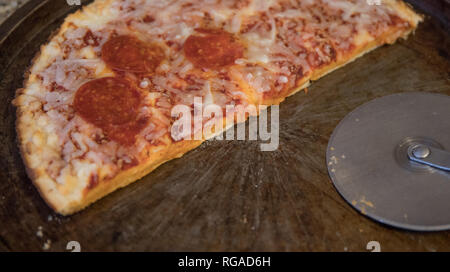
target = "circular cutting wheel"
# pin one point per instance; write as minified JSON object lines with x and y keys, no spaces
{"x":368,"y":161}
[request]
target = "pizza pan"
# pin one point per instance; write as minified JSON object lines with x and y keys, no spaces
{"x":224,"y":195}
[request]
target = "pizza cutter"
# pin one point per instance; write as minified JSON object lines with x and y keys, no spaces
{"x":390,"y":160}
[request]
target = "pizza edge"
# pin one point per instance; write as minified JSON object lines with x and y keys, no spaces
{"x":65,"y":205}
{"x":26,"y":129}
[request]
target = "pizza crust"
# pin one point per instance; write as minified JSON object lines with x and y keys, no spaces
{"x":37,"y":145}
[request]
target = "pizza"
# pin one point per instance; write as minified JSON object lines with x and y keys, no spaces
{"x":95,"y":113}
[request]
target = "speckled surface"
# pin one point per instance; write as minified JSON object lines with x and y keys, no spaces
{"x":7,"y":7}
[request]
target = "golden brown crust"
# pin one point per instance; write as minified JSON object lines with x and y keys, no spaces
{"x":66,"y":203}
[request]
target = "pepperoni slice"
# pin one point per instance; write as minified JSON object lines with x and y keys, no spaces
{"x":129,"y":54}
{"x":111,"y":104}
{"x":212,"y":49}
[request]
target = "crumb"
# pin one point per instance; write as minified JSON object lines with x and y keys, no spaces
{"x":50,"y":218}
{"x":363,"y":210}
{"x":343,"y":156}
{"x":47,"y":245}
{"x":345,"y":249}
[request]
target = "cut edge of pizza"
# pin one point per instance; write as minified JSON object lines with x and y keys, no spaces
{"x":66,"y":182}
